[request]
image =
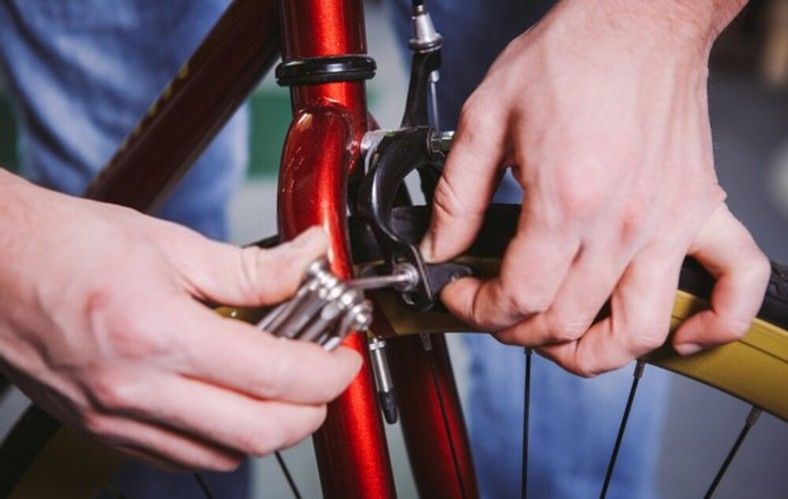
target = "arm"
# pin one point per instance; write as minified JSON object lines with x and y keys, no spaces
{"x":601,"y":109}
{"x":100,"y":324}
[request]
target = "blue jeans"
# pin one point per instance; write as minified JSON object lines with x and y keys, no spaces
{"x":83,"y":73}
{"x":573,"y":420}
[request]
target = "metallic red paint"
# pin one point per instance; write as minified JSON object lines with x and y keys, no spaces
{"x":431,"y":416}
{"x":351,"y":447}
{"x":320,"y":153}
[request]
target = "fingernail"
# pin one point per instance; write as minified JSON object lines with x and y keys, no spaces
{"x":309,"y":237}
{"x":353,"y":357}
{"x":688,"y":348}
{"x":427,"y":247}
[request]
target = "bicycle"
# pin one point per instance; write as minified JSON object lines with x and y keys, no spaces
{"x":325,"y":65}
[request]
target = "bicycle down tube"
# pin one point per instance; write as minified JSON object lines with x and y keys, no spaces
{"x":321,"y":152}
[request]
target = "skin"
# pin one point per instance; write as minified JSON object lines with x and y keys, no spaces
{"x":601,"y":111}
{"x":102,"y":325}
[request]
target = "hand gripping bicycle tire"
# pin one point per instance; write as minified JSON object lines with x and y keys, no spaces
{"x":754,"y":368}
{"x":40,"y":458}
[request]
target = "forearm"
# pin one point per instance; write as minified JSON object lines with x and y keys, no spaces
{"x":714,"y":14}
{"x":688,"y":24}
{"x":702,"y":18}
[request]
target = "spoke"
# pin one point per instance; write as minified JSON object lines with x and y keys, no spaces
{"x":752,"y":417}
{"x":426,"y":342}
{"x":526,"y":413}
{"x":288,"y":476}
{"x":204,"y":486}
{"x":639,"y":367}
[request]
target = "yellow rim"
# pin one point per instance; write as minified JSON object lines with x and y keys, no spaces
{"x":753,"y":369}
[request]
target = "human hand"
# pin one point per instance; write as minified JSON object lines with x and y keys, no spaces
{"x":101,"y":325}
{"x":602,"y":110}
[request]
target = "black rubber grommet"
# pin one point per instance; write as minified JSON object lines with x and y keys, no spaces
{"x":315,"y":70}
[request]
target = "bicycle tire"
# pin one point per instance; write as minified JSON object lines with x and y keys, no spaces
{"x":753,"y":369}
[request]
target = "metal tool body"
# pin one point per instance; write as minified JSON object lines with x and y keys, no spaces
{"x":323,"y":310}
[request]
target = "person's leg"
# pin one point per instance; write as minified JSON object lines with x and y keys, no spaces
{"x":573,"y":420}
{"x":83,"y":73}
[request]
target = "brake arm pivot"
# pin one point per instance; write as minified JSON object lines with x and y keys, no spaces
{"x":394,"y":156}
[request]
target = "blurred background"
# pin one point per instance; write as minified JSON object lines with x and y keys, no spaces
{"x":749,"y":111}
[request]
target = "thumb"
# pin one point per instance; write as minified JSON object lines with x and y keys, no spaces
{"x":726,"y":249}
{"x":468,"y":182}
{"x":250,"y":276}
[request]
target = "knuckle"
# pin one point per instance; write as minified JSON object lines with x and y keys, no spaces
{"x":568,"y":330}
{"x":447,"y":200}
{"x":584,"y":367}
{"x":632,"y":223}
{"x":96,"y":424}
{"x":650,"y":340}
{"x":131,"y":341}
{"x":511,"y":337}
{"x":734,"y":329}
{"x":526,"y":304}
{"x":111,"y":390}
{"x":99,"y":301}
{"x":263,"y":441}
{"x":760,"y":268}
{"x":250,"y":261}
{"x":578,"y":195}
{"x":123,"y":333}
{"x":269,"y":383}
{"x":479,"y":115}
{"x":469,"y":116}
{"x":649,"y":336}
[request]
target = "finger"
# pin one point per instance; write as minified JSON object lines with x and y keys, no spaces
{"x":469,"y":178}
{"x":247,"y":276}
{"x":588,"y":285}
{"x":727,"y":250}
{"x":534,"y":265}
{"x":235,"y":355}
{"x":221,"y":417}
{"x":639,"y":320}
{"x":161,"y":447}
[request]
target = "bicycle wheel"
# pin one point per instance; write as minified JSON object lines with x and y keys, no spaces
{"x":42,"y":459}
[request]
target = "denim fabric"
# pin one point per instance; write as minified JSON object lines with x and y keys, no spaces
{"x":83,"y":72}
{"x":573,"y":420}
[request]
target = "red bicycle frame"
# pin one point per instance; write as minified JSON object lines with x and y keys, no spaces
{"x":321,"y":153}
